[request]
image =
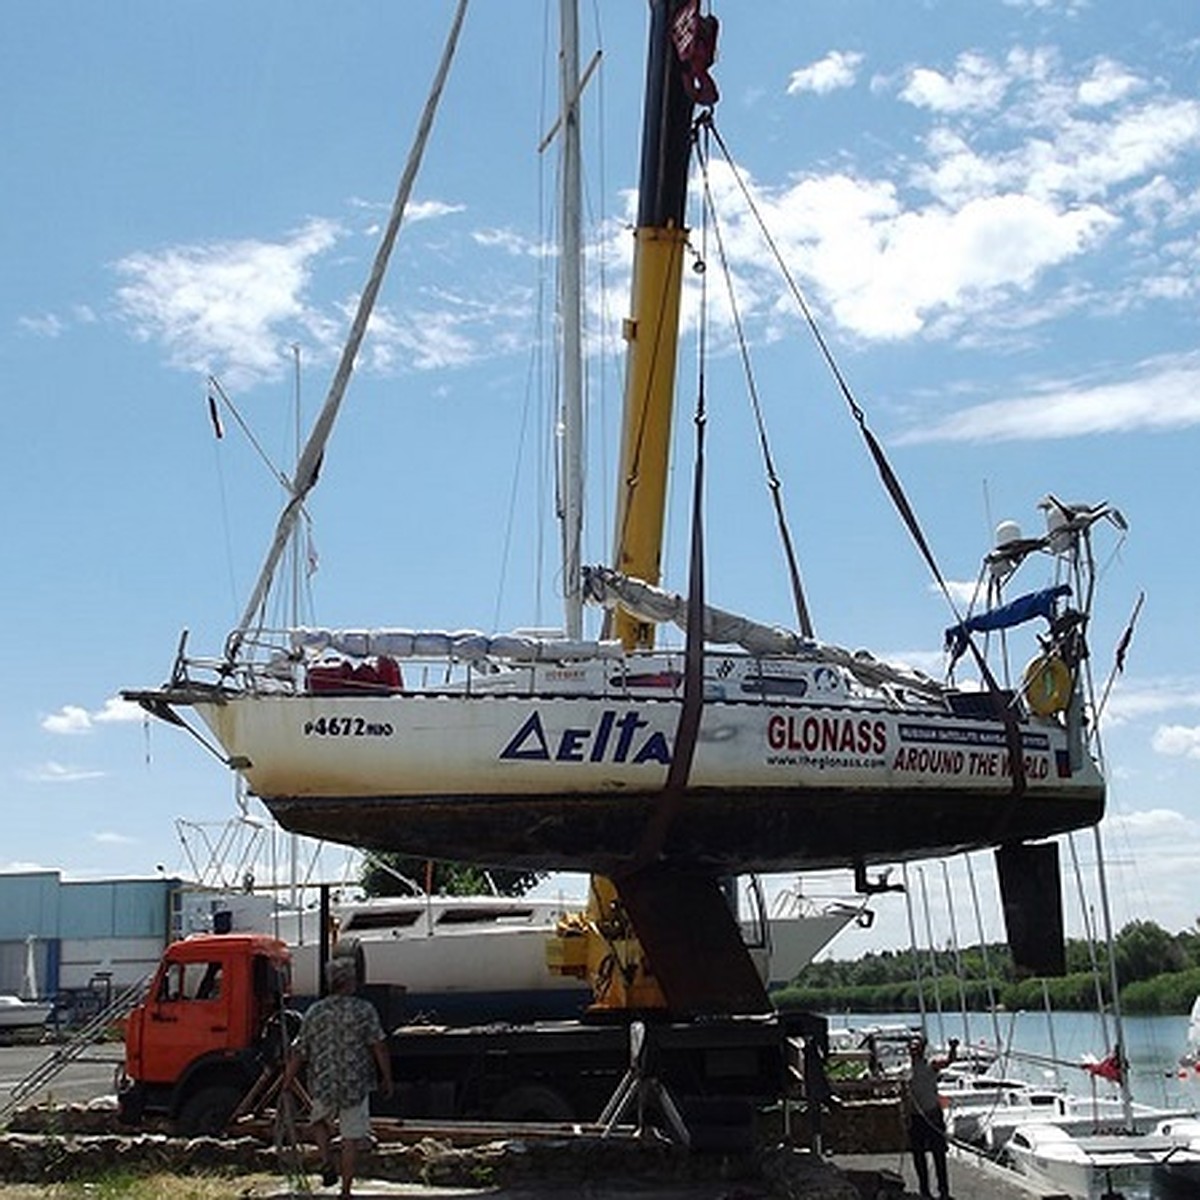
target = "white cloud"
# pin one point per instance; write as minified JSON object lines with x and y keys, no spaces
{"x":72,"y":718}
{"x":1154,"y":824}
{"x":1130,"y":701}
{"x":414,"y":210}
{"x":838,"y":69}
{"x":514,"y":243}
{"x":1028,"y":169}
{"x":1164,"y":395}
{"x":45,"y":325}
{"x":118,"y":711}
{"x":977,"y":83}
{"x":108,"y":838}
{"x":1069,"y":7}
{"x":225,"y":308}
{"x":1108,"y":82}
{"x":69,"y":719}
{"x":427,"y":210}
{"x":885,"y":271}
{"x":1177,"y":741}
{"x":54,"y":772}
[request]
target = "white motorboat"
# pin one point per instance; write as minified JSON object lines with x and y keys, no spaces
{"x":485,"y":957}
{"x":16,"y":1013}
{"x":1092,"y":1166}
{"x":988,"y":1110}
{"x":455,"y":957}
{"x":1177,"y":1177}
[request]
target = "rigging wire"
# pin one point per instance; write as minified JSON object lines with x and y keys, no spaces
{"x":774,"y":485}
{"x":598,"y":221}
{"x":535,"y":383}
{"x":898,"y":496}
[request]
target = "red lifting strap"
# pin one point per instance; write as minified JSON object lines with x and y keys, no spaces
{"x":695,"y":39}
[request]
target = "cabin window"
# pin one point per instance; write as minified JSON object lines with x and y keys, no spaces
{"x":191,"y":981}
{"x":393,"y":919}
{"x":474,"y":916}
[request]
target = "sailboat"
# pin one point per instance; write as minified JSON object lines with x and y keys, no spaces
{"x":749,"y":748}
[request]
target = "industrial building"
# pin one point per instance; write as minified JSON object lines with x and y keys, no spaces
{"x":81,"y":942}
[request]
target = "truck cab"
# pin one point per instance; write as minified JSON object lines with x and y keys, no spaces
{"x":202,"y":1036}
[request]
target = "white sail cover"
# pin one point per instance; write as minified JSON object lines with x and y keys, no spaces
{"x":462,"y":646}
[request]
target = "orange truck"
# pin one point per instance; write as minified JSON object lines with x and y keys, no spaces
{"x":213,"y":1018}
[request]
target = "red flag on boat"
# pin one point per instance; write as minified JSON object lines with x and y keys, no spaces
{"x":1107,"y":1068}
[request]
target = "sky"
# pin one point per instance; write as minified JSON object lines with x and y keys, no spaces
{"x":992,"y":209}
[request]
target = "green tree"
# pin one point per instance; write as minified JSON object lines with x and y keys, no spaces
{"x":386,"y":873}
{"x":1143,"y":950}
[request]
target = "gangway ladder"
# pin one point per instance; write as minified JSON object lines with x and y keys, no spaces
{"x":84,"y":1039}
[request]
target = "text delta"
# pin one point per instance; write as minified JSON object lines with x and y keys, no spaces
{"x":616,"y":739}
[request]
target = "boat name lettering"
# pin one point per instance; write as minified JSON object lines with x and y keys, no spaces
{"x":845,"y":735}
{"x":346,"y":727}
{"x":974,"y":763}
{"x":617,"y":738}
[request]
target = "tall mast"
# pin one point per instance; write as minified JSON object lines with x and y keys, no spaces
{"x":652,"y":329}
{"x":571,"y":310}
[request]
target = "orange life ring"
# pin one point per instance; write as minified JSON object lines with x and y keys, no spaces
{"x":1047,"y":685}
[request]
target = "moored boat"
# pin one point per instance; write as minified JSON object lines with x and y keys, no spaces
{"x":1091,"y":1166}
{"x":484,"y":958}
{"x":16,"y":1013}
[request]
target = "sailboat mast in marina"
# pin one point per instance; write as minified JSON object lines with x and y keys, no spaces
{"x":784,"y":753}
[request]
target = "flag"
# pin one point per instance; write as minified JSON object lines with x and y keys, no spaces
{"x":214,"y":415}
{"x":1107,"y":1068}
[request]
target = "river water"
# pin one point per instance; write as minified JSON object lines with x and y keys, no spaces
{"x":1052,"y":1048}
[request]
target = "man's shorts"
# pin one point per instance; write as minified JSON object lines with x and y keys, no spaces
{"x":353,"y":1121}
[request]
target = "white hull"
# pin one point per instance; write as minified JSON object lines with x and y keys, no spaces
{"x":775,"y":783}
{"x":439,"y":945}
{"x":1088,"y":1167}
{"x":16,"y":1013}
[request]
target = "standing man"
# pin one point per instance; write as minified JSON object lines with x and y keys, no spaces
{"x":339,"y":1036}
{"x":926,"y":1124}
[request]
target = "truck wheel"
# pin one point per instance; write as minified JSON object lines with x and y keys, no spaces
{"x":208,"y":1111}
{"x":533,"y":1102}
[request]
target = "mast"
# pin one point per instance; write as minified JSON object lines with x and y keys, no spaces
{"x":309,"y":464}
{"x":1114,"y":981}
{"x":652,"y":328}
{"x":571,"y":308}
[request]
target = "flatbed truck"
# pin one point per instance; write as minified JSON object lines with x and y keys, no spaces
{"x":215,"y":1025}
